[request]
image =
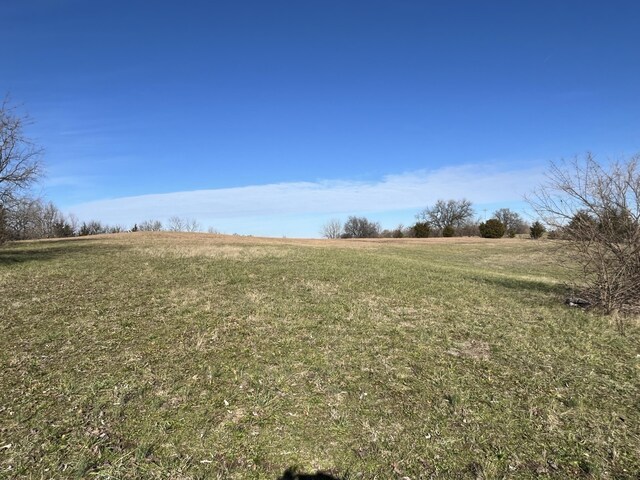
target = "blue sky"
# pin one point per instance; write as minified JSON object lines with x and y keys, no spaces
{"x":269,"y":118}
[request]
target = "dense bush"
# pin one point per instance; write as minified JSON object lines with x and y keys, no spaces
{"x":421,"y":230}
{"x":398,"y":232}
{"x":448,"y":231}
{"x":94,"y":227}
{"x":492,"y":228}
{"x":62,"y":229}
{"x":614,"y":223}
{"x":536,"y":230}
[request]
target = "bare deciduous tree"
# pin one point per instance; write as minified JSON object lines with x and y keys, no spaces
{"x":447,"y":214}
{"x":332,"y":229}
{"x":596,"y":207}
{"x":178,"y":224}
{"x":29,"y":218}
{"x":511,"y":220}
{"x":191,"y":225}
{"x":150,"y":226}
{"x":19,"y":158}
{"x":360,"y":227}
{"x":50,"y":216}
{"x":74,"y":223}
{"x":175,"y":224}
{"x":21,"y":218}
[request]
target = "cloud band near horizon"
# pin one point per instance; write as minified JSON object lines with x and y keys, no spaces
{"x":482,"y":184}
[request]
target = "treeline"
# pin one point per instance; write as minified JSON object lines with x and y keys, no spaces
{"x":28,"y":218}
{"x":31,"y":219}
{"x":446,"y":218}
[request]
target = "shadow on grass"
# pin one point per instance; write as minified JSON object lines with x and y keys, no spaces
{"x":39,"y":252}
{"x":293,"y":474}
{"x":527,"y":285}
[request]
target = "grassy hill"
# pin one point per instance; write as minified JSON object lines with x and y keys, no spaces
{"x":203,"y":356}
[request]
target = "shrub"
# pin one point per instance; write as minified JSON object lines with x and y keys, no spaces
{"x":448,"y":231}
{"x":94,"y":227}
{"x":62,"y":229}
{"x":398,"y":232}
{"x":421,"y":230}
{"x":598,"y":207}
{"x":492,"y":228}
{"x":536,"y":230}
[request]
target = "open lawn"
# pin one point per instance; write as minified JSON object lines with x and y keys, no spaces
{"x":202,"y":356}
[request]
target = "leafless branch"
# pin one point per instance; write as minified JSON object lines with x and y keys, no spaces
{"x":596,"y":209}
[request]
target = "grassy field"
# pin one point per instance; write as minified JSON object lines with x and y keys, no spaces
{"x":202,"y":356}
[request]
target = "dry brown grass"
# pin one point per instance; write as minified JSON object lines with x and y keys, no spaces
{"x":159,"y":355}
{"x":177,"y":239}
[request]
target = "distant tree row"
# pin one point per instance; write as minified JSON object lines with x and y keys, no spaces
{"x":446,"y":218}
{"x":175,"y":224}
{"x":456,"y":218}
{"x":27,"y":218}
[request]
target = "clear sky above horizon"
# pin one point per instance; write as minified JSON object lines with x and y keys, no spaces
{"x":269,"y":118}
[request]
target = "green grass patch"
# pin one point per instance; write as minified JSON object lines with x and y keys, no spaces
{"x":197,"y":356}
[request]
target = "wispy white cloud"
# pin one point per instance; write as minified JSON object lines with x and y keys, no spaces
{"x":482,"y":184}
{"x":65,"y":181}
